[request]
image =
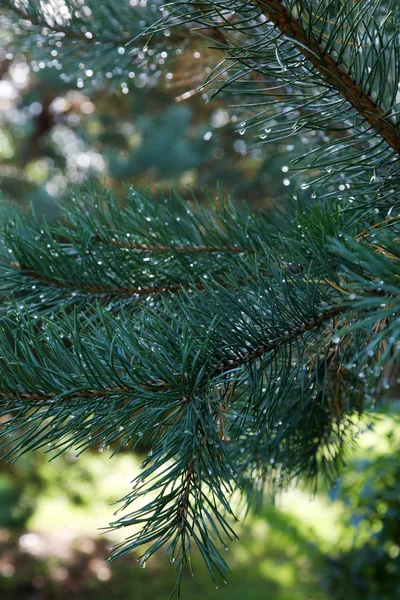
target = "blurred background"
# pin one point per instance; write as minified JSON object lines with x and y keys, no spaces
{"x":335,"y":544}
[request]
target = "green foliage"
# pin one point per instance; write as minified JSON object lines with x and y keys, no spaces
{"x":370,"y":568}
{"x":240,"y":351}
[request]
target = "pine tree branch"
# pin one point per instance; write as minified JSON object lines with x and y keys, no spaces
{"x":105,"y":393}
{"x":258,"y":353}
{"x":108,"y":291}
{"x":268,"y":353}
{"x":44,"y":397}
{"x":331,"y":71}
{"x":65,"y":30}
{"x":159,"y":385}
{"x":178,"y":248}
{"x":38,"y":22}
{"x":223,"y":41}
{"x":184,"y":501}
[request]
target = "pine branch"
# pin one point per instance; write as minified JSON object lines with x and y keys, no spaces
{"x":144,"y":252}
{"x":106,"y":291}
{"x":71,"y":23}
{"x":177,"y":248}
{"x":171,"y":367}
{"x":278,"y":334}
{"x":22,"y":11}
{"x":93,"y":35}
{"x":184,"y":502}
{"x":359,"y":43}
{"x":228,"y":365}
{"x":331,"y":70}
{"x":314,"y":323}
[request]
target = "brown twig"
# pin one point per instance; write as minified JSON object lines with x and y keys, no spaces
{"x":122,"y":291}
{"x":178,"y":248}
{"x":185,"y":499}
{"x":43,"y":397}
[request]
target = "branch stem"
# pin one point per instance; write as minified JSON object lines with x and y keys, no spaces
{"x":178,"y":248}
{"x":95,"y":289}
{"x":259,"y":352}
